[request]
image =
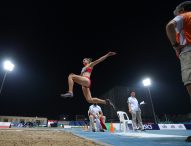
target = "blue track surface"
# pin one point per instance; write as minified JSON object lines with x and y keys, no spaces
{"x":147,"y":138}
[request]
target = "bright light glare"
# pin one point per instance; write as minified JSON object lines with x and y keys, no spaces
{"x":8,"y":65}
{"x":147,"y":82}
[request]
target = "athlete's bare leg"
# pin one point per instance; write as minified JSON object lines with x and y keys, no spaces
{"x":83,"y":81}
{"x":72,"y":78}
{"x":90,"y":99}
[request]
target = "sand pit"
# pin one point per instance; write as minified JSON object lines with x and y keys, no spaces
{"x":41,"y":137}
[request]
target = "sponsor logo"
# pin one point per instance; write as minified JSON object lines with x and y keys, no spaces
{"x":172,"y":127}
{"x":148,"y":126}
{"x":180,"y":126}
{"x":164,"y":126}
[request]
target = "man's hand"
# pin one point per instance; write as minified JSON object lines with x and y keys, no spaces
{"x":94,"y":116}
{"x":178,"y":49}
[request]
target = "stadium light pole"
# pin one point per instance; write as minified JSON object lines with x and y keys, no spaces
{"x":8,"y":67}
{"x":147,"y":83}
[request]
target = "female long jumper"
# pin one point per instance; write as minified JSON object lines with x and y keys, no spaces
{"x":84,"y":80}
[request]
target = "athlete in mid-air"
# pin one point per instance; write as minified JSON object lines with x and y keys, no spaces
{"x":84,"y":80}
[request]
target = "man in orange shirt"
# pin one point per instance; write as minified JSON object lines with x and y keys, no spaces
{"x":179,"y":33}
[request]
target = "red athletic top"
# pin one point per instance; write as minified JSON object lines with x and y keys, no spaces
{"x":86,"y":69}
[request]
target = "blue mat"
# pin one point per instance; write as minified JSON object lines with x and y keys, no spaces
{"x":158,"y":137}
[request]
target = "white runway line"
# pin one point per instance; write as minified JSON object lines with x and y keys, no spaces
{"x":147,"y":135}
{"x":12,"y":130}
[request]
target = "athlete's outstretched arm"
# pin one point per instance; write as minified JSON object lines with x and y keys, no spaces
{"x":92,"y":64}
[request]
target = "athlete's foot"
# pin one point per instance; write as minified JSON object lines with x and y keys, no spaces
{"x":69,"y":94}
{"x":108,"y":102}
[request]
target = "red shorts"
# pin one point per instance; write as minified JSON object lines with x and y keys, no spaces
{"x":89,"y":81}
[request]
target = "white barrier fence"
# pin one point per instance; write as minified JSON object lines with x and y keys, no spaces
{"x":155,"y":126}
{"x":5,"y":124}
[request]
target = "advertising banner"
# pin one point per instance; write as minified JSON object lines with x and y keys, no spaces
{"x":172,"y":127}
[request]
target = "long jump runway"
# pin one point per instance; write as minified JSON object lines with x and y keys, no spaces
{"x":145,"y":138}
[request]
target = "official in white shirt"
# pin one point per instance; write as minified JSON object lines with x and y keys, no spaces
{"x":94,"y":113}
{"x":135,"y":111}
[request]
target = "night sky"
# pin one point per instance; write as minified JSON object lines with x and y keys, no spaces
{"x":48,"y":43}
